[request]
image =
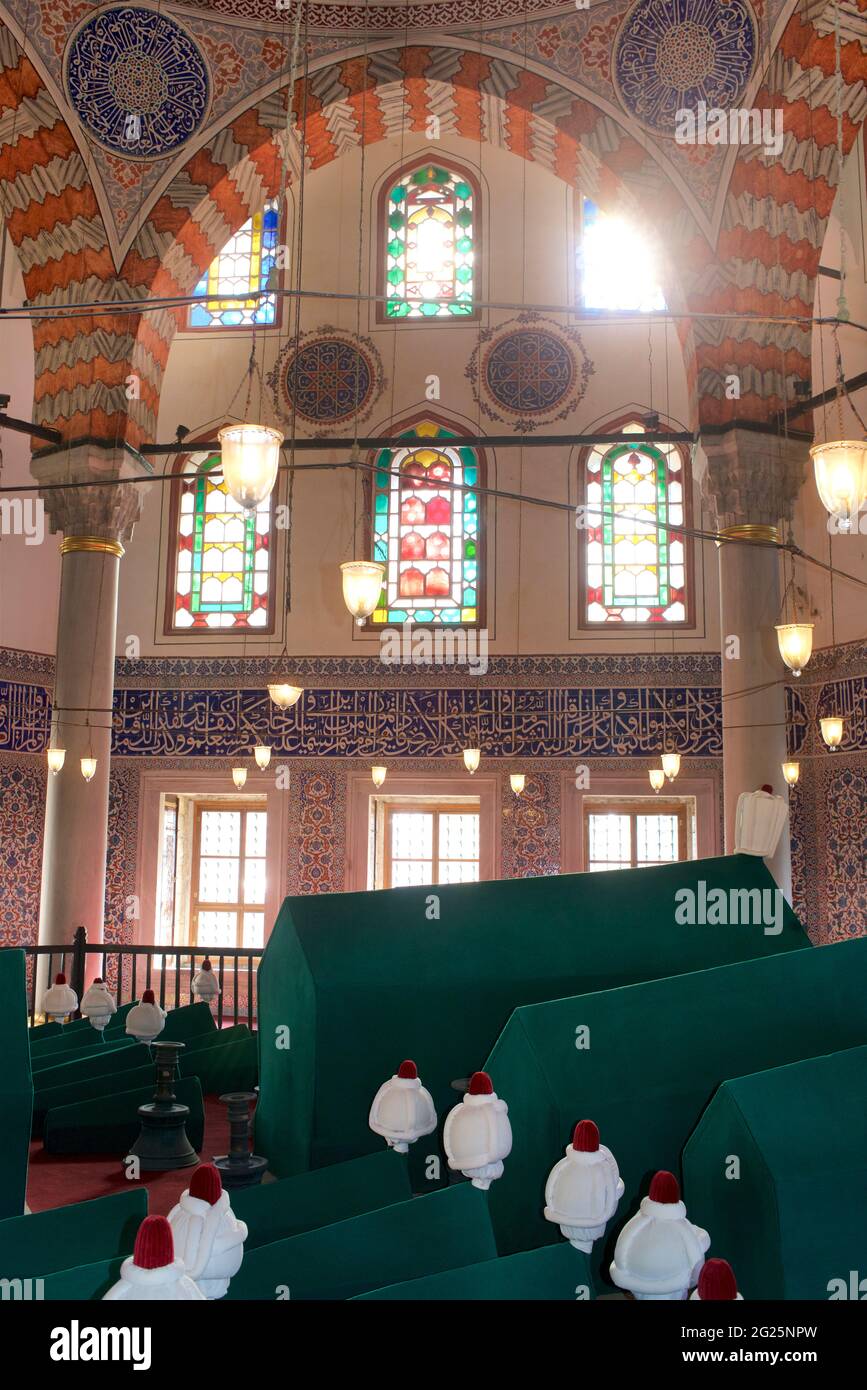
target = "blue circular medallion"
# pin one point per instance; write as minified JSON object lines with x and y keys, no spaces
{"x":529,"y":371}
{"x":137,"y":81}
{"x":671,"y":54}
{"x":328,"y":379}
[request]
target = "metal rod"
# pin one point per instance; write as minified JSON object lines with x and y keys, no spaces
{"x":9,"y":422}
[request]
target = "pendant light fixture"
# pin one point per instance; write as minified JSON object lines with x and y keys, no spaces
{"x":670,"y":765}
{"x":832,"y":730}
{"x":250,"y":456}
{"x":283,"y":694}
{"x":791,"y":772}
{"x":795,"y":641}
{"x":517,"y":781}
{"x":377,"y":773}
{"x":56,"y":758}
{"x":657,"y":778}
{"x":239,"y":776}
{"x":88,"y":768}
{"x":840,"y":470}
{"x":362,"y":586}
{"x":262,"y":754}
{"x":472,"y":758}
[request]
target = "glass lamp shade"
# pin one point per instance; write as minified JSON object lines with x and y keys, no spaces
{"x":472,"y":757}
{"x":657,"y":778}
{"x":791,"y":772}
{"x":795,"y":641}
{"x":670,"y":765}
{"x":517,"y":782}
{"x":88,"y":768}
{"x":250,"y":457}
{"x":832,"y":730}
{"x":362,"y":586}
{"x":56,"y":758}
{"x":239,"y":776}
{"x":262,"y":754}
{"x":378,"y":775}
{"x":840,"y":469}
{"x":285,"y":695}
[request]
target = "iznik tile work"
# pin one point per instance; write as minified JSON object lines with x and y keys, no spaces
{"x":137,"y":81}
{"x":22,"y":811}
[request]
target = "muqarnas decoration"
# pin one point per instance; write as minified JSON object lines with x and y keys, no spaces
{"x":529,"y":371}
{"x":139,"y":84}
{"x":671,"y":54}
{"x":327,"y":377}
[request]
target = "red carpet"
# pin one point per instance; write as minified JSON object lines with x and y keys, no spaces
{"x":58,"y":1180}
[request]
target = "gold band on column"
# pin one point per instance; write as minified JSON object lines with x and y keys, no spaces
{"x":747,"y":532}
{"x":71,"y":545}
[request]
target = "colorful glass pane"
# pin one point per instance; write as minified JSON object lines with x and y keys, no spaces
{"x":430,"y":253}
{"x":425,"y":528}
{"x":635,"y":555}
{"x":222,"y":558}
{"x":617,"y":268}
{"x":244,"y":264}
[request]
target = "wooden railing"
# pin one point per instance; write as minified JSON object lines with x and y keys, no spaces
{"x":167,"y":970}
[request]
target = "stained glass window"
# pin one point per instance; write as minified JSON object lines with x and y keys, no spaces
{"x":427,"y":529}
{"x":430,"y":249}
{"x":244,"y":264}
{"x":222,"y":571}
{"x":636,"y":561}
{"x":617,"y":267}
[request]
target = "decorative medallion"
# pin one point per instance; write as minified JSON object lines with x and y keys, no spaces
{"x":326,"y":377}
{"x":533,"y":373}
{"x":137,"y":81}
{"x":671,"y":54}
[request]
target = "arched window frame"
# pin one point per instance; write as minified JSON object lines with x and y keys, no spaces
{"x":270,"y":243}
{"x":384,"y":208}
{"x":194,"y":467}
{"x":431,"y":429}
{"x":589,"y":530}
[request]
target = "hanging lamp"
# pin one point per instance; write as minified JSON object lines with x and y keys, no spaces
{"x":472,"y":757}
{"x":239,"y":776}
{"x":377,"y":773}
{"x":362,"y":586}
{"x":832,"y":730}
{"x":657,"y":778}
{"x":56,"y":758}
{"x":670,"y":765}
{"x":250,"y":456}
{"x":262,"y":754}
{"x":517,"y":781}
{"x":88,"y":768}
{"x":795,"y":641}
{"x":283,"y":694}
{"x":840,"y":470}
{"x":791,"y":772}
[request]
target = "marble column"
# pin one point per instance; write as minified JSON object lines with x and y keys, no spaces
{"x":752,"y":479}
{"x":96,"y":522}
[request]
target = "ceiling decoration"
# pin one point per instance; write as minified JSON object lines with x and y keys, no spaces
{"x":327,"y":377}
{"x":529,"y":371}
{"x":137,"y":81}
{"x":671,"y":54}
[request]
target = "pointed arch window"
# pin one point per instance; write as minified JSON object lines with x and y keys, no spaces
{"x":636,"y":553}
{"x":428,"y":529}
{"x":243,"y":266}
{"x":429,"y":223}
{"x":221,"y":574}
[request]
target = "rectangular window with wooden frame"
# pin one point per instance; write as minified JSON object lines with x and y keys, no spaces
{"x":430,"y":843}
{"x":227,"y":899}
{"x":632,"y":833}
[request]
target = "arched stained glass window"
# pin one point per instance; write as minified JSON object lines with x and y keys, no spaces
{"x":427,"y":529}
{"x":617,"y":266}
{"x":635,"y":550}
{"x":430,"y":229}
{"x":244,"y":264}
{"x":221,"y":576}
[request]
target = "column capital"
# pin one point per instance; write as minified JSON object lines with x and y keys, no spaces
{"x":753,"y":478}
{"x":96,"y":513}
